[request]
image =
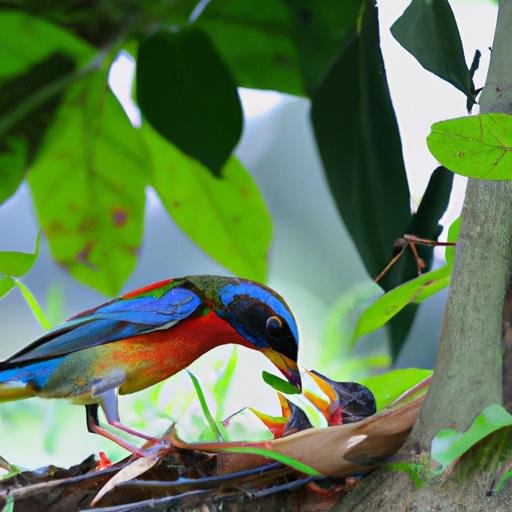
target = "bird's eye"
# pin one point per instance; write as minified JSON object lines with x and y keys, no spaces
{"x":260,"y":324}
{"x":273,"y":323}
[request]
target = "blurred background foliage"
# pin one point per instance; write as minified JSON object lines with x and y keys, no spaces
{"x":130,"y":140}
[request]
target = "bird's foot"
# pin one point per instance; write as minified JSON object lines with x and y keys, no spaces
{"x":131,"y":431}
{"x":97,"y":429}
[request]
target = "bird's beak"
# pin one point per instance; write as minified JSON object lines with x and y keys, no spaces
{"x":286,"y":366}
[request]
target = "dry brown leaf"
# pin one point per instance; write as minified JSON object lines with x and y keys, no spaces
{"x":129,"y":472}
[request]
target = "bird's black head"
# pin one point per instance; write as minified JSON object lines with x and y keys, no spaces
{"x":264,"y":320}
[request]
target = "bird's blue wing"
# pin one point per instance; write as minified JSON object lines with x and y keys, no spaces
{"x":115,"y":320}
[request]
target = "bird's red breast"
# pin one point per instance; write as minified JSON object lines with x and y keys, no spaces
{"x":152,"y":357}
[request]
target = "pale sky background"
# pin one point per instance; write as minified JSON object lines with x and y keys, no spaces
{"x":313,"y":261}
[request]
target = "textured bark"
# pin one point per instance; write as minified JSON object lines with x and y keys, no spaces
{"x":468,"y":373}
{"x":507,"y":350}
{"x":394,"y":492}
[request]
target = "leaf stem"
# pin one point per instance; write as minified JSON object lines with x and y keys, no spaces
{"x":33,"y":304}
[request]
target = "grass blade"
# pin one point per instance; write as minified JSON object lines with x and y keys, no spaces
{"x":34,"y":306}
{"x":279,"y":457}
{"x":204,"y":407}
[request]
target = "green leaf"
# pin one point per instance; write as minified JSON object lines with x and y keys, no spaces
{"x":503,"y":479}
{"x":186,"y":92}
{"x":359,"y":142}
{"x":25,"y":40}
{"x":88,"y":185}
{"x":432,"y":287}
{"x":453,"y":235}
{"x":448,"y":444}
{"x":414,"y":470}
{"x":320,"y":30}
{"x":34,"y":55}
{"x":20,"y":129}
{"x":428,"y":30}
{"x":18,"y":264}
{"x":279,"y":384}
{"x":204,"y":407}
{"x":13,"y":154}
{"x":389,"y":386}
{"x":256,"y":42}
{"x":387,"y":306}
{"x":279,"y":457}
{"x":7,"y":283}
{"x":226,"y":217}
{"x":475,"y":146}
{"x":9,"y":504}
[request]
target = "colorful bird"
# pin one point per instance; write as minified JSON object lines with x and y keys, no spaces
{"x":145,"y":336}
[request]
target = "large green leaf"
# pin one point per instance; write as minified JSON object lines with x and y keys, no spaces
{"x":390,"y":304}
{"x":255,"y":39}
{"x":186,"y":92}
{"x":34,"y":55}
{"x":13,"y":154}
{"x":475,"y":146}
{"x":387,"y":387}
{"x":88,"y":185}
{"x":20,"y":131}
{"x":358,"y":139}
{"x":25,"y":40}
{"x":428,"y":30}
{"x":359,"y":143}
{"x":17,"y":264}
{"x":320,"y":30}
{"x":448,"y":444}
{"x":225,"y":216}
{"x":7,"y":283}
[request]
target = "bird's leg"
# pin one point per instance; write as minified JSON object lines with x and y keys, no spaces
{"x":93,"y":426}
{"x":108,"y":402}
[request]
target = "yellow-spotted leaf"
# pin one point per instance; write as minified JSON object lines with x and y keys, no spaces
{"x":88,"y":184}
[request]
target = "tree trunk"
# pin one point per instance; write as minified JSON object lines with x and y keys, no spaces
{"x":474,"y":360}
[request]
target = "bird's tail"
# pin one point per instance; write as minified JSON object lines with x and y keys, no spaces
{"x":16,"y":383}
